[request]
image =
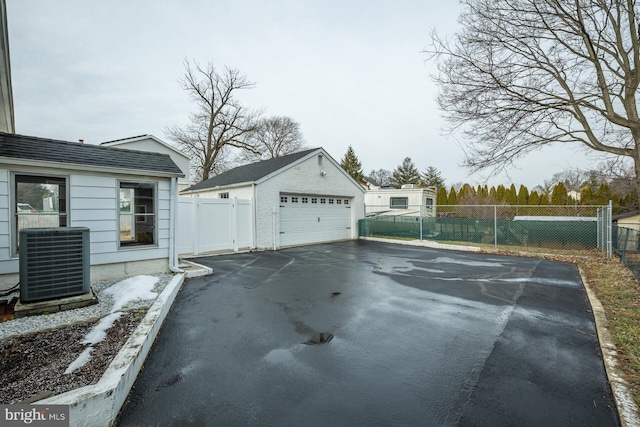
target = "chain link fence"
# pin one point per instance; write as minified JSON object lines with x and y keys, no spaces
{"x":520,"y":227}
{"x":626,"y":245}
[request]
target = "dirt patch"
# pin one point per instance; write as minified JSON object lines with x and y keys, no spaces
{"x":32,"y":366}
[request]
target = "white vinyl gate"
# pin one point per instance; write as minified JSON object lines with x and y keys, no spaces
{"x":209,"y":225}
{"x":306,"y":219}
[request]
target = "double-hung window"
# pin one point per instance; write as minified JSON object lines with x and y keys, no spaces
{"x":137,"y":214}
{"x":39,"y":201}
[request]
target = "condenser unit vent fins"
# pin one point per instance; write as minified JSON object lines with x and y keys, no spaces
{"x":54,"y":263}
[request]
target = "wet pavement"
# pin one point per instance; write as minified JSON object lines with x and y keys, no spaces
{"x":365,"y":333}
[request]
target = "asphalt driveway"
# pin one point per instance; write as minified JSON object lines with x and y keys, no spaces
{"x":415,"y":336}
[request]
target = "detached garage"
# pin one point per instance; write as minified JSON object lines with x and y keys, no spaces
{"x":302,"y":198}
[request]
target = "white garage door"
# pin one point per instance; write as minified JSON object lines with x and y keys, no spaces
{"x":308,"y":219}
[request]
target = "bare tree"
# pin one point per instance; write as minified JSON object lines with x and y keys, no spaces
{"x":380,"y":176}
{"x":273,"y":137}
{"x":526,"y":73}
{"x":219,"y":123}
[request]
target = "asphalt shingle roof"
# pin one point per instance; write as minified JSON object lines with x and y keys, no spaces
{"x":251,"y":172}
{"x":73,"y":153}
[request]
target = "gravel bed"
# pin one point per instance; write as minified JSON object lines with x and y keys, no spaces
{"x":59,"y":319}
{"x":36,"y":351}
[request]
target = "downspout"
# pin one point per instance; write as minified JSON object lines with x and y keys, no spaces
{"x":173,"y":210}
{"x":255,"y":215}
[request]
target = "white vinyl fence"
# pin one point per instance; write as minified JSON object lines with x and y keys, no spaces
{"x":209,"y":225}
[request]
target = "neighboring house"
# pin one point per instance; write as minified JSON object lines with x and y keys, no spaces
{"x":127,"y":198}
{"x":408,"y":200}
{"x":370,"y":184}
{"x":155,"y":145}
{"x":575,"y":195}
{"x":301,"y":198}
{"x":627,"y":220}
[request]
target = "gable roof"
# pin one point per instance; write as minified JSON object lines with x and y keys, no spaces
{"x":42,"y":150}
{"x":252,"y":172}
{"x":121,"y":141}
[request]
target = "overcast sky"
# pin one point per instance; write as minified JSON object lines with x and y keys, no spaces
{"x":349,"y":72}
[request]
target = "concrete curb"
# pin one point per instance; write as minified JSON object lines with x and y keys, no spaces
{"x":425,"y":243}
{"x":99,"y":404}
{"x":627,"y":408}
{"x":193,"y":269}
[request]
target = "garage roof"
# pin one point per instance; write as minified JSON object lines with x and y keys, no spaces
{"x":34,"y":149}
{"x":252,"y":172}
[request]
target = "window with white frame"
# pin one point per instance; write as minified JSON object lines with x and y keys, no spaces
{"x":39,"y":201}
{"x":137,"y":214}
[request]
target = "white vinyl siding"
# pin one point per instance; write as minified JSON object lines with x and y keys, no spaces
{"x":92,"y":201}
{"x":305,"y":180}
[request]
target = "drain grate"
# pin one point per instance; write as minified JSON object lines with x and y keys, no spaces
{"x":335,"y":294}
{"x":319,"y":338}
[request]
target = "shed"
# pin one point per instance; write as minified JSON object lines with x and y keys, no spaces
{"x":126,"y":198}
{"x":627,"y":220}
{"x":301,"y":198}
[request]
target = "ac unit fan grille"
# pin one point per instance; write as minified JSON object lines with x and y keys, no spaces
{"x":54,"y":263}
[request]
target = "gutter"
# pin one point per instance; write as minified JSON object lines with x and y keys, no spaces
{"x":11,"y":163}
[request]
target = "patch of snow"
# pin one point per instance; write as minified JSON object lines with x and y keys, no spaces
{"x":80,"y":361}
{"x":99,"y":331}
{"x":134,"y":288}
{"x":432,"y":270}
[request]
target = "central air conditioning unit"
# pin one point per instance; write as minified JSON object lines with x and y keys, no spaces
{"x":54,"y":263}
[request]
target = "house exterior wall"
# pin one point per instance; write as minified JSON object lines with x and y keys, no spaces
{"x":304,"y":178}
{"x":240,"y":192}
{"x":153,"y":146}
{"x":93,"y":203}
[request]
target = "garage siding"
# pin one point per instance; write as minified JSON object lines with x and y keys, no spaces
{"x":304,"y":178}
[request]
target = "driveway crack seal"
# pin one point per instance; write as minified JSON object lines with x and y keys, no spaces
{"x":627,"y":408}
{"x":470,"y":385}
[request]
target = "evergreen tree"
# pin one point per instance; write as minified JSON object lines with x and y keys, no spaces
{"x":559,"y":195}
{"x":544,"y":199}
{"x":523,"y":196}
{"x":511,"y":196}
{"x":603,"y":194}
{"x":586,"y":196}
{"x":352,"y":165}
{"x":466,"y":195}
{"x":534,"y":198}
{"x":432,"y":178}
{"x":492,"y":193}
{"x":453,"y":197}
{"x":500,"y":194}
{"x":406,"y":173}
{"x":441,"y":199}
